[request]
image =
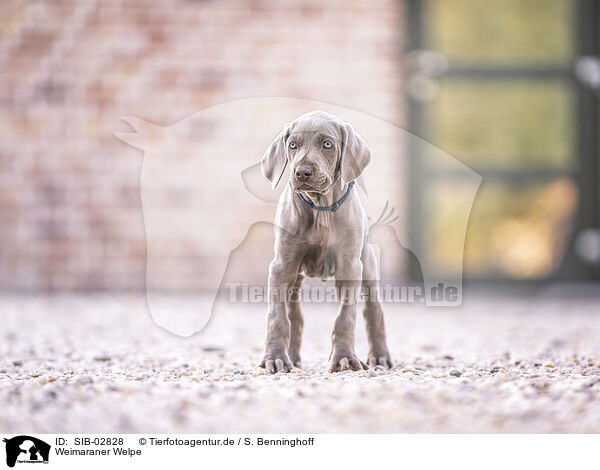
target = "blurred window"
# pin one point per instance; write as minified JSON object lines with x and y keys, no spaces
{"x":492,"y":84}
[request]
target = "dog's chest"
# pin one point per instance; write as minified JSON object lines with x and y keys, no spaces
{"x":319,"y":258}
{"x":320,"y":230}
{"x":319,"y":262}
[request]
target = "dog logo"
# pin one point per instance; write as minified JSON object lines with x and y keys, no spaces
{"x":204,"y":197}
{"x":26,"y":449}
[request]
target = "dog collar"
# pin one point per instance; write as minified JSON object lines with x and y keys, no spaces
{"x":333,"y":207}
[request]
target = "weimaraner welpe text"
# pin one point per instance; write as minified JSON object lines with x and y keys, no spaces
{"x":321,"y":231}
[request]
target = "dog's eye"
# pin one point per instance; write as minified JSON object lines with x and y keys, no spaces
{"x":292,"y":145}
{"x":327,"y":144}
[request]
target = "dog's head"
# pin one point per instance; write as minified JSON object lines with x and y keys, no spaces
{"x":320,"y":149}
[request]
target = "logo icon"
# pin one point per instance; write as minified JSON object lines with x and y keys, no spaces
{"x":26,"y":449}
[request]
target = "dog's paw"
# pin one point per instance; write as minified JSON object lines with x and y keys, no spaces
{"x":296,"y":361}
{"x":345,"y":361}
{"x":380,"y":358}
{"x":276,"y":362}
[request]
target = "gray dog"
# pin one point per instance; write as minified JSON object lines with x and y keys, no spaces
{"x":321,"y":231}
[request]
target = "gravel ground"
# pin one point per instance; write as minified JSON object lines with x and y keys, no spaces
{"x":99,"y":364}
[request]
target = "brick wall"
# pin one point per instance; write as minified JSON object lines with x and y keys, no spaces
{"x":70,"y":206}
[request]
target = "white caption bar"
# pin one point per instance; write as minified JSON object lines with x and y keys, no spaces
{"x":291,"y":451}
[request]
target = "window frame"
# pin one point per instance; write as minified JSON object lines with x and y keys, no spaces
{"x":586,"y":168}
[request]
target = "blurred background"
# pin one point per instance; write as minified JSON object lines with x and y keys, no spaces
{"x":509,"y":87}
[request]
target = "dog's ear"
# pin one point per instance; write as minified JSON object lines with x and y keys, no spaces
{"x":274,"y":160}
{"x":355,"y":155}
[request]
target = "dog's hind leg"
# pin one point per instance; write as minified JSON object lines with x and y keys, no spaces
{"x":297,"y":323}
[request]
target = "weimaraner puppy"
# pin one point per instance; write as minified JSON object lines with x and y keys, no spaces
{"x":321,"y":230}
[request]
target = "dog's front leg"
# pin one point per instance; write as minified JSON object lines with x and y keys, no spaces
{"x":379,"y":354}
{"x":347,"y":285}
{"x":275,"y":357}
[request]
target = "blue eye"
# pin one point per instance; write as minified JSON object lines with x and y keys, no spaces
{"x":292,"y":145}
{"x":327,"y":144}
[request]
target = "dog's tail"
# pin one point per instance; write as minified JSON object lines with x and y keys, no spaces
{"x":386,"y":217}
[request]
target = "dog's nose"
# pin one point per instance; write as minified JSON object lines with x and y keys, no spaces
{"x":303,"y":172}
